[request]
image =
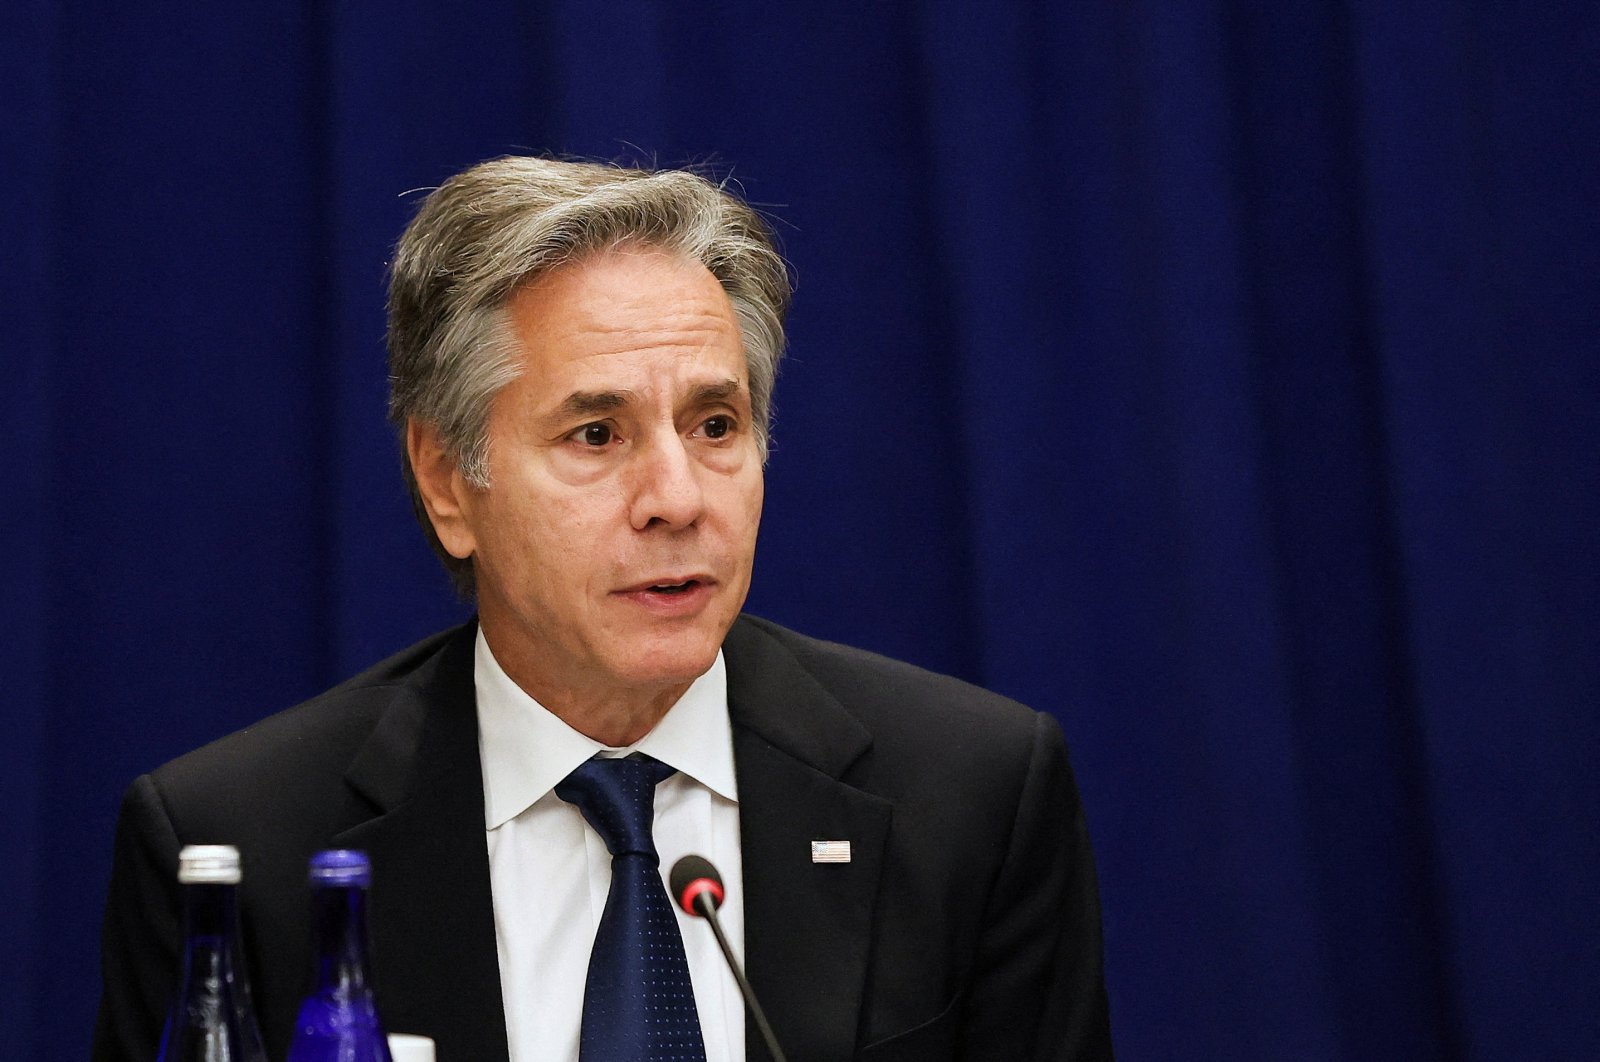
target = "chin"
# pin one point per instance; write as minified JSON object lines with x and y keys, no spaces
{"x":670,"y":661}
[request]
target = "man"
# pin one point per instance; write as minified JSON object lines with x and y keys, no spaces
{"x":582,"y":361}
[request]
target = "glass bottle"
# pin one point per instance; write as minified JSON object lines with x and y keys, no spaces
{"x":212,"y":1019}
{"x":407,"y":1048}
{"x":338,"y":1021}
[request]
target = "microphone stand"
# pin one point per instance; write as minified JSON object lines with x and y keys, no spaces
{"x":706,"y":908}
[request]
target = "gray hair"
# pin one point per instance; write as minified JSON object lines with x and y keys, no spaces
{"x":489,"y":230}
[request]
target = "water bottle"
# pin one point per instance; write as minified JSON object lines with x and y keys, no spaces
{"x":338,"y":1021}
{"x":407,"y":1048}
{"x":212,"y":1019}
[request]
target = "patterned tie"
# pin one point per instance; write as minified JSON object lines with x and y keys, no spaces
{"x":637,"y":1003}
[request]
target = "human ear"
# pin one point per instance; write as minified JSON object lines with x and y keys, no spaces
{"x":445,"y":492}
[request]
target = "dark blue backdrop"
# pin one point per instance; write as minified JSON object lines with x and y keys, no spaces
{"x":1221,"y":377}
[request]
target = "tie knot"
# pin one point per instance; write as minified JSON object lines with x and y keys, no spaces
{"x":618,"y":798}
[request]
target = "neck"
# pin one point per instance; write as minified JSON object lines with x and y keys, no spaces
{"x":615,"y":716}
{"x":615,"y":721}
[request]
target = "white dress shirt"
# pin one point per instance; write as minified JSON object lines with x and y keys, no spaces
{"x":550,"y":872}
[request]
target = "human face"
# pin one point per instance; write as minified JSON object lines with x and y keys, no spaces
{"x":613,"y":547}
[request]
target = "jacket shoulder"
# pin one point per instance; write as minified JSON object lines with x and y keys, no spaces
{"x":887,"y":694}
{"x":835,"y":662}
{"x":309,"y":744}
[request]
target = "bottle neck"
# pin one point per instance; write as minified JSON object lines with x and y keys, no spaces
{"x":210,"y":932}
{"x":213,"y":1003}
{"x":339,"y":924}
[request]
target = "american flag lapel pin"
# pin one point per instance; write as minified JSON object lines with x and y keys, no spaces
{"x":830,"y":851}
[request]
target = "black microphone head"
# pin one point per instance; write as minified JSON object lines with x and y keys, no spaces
{"x":694,"y":876}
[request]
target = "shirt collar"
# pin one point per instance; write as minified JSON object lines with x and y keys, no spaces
{"x":526,"y":749}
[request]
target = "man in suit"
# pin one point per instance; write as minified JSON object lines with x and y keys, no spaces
{"x":582,"y":360}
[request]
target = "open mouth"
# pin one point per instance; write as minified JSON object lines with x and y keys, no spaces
{"x":673,"y":588}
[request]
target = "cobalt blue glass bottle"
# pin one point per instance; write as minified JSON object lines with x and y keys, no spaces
{"x":338,"y":1021}
{"x":212,"y":1019}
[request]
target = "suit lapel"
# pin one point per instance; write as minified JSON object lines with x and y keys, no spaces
{"x":807,"y":925}
{"x":431,"y":913}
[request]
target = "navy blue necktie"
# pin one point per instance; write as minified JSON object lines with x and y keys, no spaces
{"x":638,"y":1004}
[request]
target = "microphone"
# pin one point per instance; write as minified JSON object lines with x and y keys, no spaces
{"x":697,"y":887}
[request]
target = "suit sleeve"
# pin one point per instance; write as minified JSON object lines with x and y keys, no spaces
{"x":1038,"y":991}
{"x":139,"y":940}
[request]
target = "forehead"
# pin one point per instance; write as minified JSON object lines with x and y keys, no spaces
{"x":626,"y":310}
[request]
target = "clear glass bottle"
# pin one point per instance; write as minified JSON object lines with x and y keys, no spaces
{"x":338,"y":1021}
{"x":212,"y":1019}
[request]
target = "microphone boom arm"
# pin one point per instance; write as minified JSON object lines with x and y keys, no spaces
{"x":706,"y":908}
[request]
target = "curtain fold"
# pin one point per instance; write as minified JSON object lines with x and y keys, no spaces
{"x":1220,"y":377}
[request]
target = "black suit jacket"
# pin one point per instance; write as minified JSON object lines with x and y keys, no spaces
{"x":965,"y":926}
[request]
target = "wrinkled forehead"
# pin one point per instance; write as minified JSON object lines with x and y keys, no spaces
{"x":626,"y":327}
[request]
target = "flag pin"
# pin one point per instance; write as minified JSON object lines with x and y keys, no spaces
{"x":830,"y":851}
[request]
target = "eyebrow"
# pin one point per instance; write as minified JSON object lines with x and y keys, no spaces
{"x":590,"y":403}
{"x":717,"y":392}
{"x":595,"y":403}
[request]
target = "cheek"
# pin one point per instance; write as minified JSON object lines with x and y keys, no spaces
{"x":562,"y":533}
{"x":755,"y":490}
{"x":743,"y":506}
{"x":757,"y":498}
{"x":521,"y":525}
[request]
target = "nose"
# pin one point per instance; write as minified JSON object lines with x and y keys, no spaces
{"x":667,"y":490}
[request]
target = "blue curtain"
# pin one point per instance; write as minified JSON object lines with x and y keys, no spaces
{"x":1220,"y":377}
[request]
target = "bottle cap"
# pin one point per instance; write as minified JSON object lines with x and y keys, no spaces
{"x":208,"y":864}
{"x":404,"y":1047}
{"x":341,"y":866}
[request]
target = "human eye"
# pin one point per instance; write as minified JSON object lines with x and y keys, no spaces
{"x":718,"y":427}
{"x":593,"y":436}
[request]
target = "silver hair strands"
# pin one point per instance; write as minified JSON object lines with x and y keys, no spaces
{"x":501,"y":224}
